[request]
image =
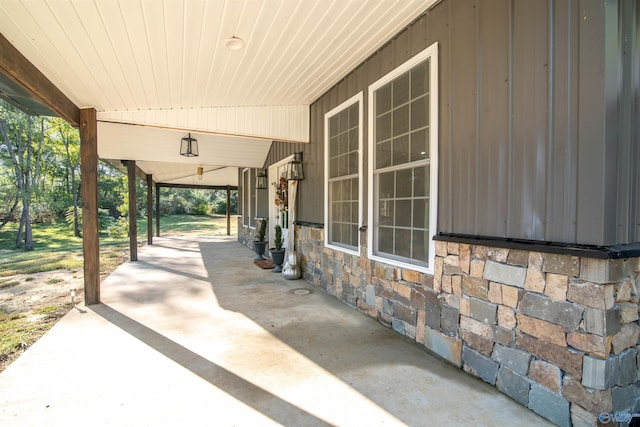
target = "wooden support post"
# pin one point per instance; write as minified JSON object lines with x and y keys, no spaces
{"x":158,"y":210}
{"x":89,"y":184}
{"x":133,"y":209}
{"x":149,"y":210}
{"x":228,"y":210}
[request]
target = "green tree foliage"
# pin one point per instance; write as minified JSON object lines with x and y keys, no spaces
{"x":219,"y":201}
{"x":10,"y":197}
{"x":61,"y":185}
{"x":40,"y":181}
{"x":22,"y":152}
{"x":200,"y":203}
{"x":196,"y":201}
{"x":112,"y":190}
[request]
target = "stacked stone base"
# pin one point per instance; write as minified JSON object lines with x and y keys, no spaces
{"x":557,"y":333}
{"x":246,"y":235}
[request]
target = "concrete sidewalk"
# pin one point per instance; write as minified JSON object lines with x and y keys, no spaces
{"x":194,"y":334}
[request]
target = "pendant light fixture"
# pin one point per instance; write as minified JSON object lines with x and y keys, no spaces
{"x":189,"y":146}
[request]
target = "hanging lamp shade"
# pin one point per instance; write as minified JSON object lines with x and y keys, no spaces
{"x":261,"y":182}
{"x":189,"y":146}
{"x":295,"y":171}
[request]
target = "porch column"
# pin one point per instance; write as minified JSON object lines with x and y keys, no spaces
{"x":133,"y":224}
{"x":149,"y":209}
{"x":228,"y":210}
{"x":89,"y":184}
{"x":158,"y":210}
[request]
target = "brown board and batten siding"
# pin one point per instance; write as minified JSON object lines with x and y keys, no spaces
{"x":539,"y":119}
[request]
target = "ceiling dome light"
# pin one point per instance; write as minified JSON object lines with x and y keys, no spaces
{"x":234,"y":43}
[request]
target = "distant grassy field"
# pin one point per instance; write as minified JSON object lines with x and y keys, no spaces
{"x":56,"y":247}
{"x":215,"y":225}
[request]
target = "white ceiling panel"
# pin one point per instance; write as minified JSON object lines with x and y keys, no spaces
{"x":134,"y":59}
{"x":152,"y":54}
{"x":287,"y":123}
{"x":140,"y":143}
{"x":179,"y":173}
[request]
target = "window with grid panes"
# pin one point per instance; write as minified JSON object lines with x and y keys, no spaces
{"x":253,"y":197}
{"x":343,"y":174}
{"x":402,"y":164}
{"x":246,"y":214}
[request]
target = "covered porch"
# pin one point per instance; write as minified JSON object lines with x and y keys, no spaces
{"x":196,"y":334}
{"x":138,"y":78}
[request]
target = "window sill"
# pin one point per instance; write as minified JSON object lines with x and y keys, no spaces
{"x":403,"y":265}
{"x":355,"y":252}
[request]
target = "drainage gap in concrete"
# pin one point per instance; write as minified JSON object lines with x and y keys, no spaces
{"x":300,"y":291}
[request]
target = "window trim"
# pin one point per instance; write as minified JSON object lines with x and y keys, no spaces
{"x":246,"y":199}
{"x":272,"y":211}
{"x":430,"y":53}
{"x":253,"y":197}
{"x":358,"y":98}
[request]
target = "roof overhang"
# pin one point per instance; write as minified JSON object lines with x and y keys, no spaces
{"x":154,"y":71}
{"x":156,"y":151}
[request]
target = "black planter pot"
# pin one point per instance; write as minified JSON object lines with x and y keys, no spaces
{"x":277,"y":256}
{"x":258,"y":248}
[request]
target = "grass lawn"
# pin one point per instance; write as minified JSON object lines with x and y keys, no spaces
{"x":57,"y":249}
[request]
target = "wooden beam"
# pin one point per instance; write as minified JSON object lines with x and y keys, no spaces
{"x":158,"y":210}
{"x":204,"y":187}
{"x":18,"y":68}
{"x":133,"y":209}
{"x":228,"y":210}
{"x":141,"y":174}
{"x":149,"y":210}
{"x":89,"y":184}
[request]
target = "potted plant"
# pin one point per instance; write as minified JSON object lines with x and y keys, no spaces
{"x":259,"y":243}
{"x":277,"y":253}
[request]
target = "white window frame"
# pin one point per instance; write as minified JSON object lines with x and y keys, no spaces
{"x":273,"y":210}
{"x":358,"y":98}
{"x":430,"y":53}
{"x":253,"y":197}
{"x":246,"y":200}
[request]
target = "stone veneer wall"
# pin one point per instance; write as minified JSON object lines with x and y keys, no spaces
{"x":557,"y":333}
{"x":246,"y":235}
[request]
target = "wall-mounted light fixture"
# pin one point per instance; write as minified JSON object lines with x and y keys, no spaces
{"x":189,"y":146}
{"x":295,"y":171}
{"x":261,"y":181}
{"x":200,"y":172}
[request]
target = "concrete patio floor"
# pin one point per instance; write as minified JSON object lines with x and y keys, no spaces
{"x":194,"y":334}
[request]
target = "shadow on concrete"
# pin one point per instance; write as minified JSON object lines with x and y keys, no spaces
{"x":157,"y":266}
{"x":392,"y":372}
{"x":260,"y":399}
{"x":185,"y":244}
{"x":355,"y":348}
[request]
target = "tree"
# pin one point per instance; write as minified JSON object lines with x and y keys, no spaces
{"x":112,"y":189}
{"x":19,"y":133}
{"x":66,"y":137}
{"x":219,"y":201}
{"x":9,"y":194}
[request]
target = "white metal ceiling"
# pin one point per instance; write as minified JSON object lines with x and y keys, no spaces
{"x":127,"y":58}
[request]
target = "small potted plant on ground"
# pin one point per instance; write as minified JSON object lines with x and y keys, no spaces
{"x":277,"y":253}
{"x":259,"y":243}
